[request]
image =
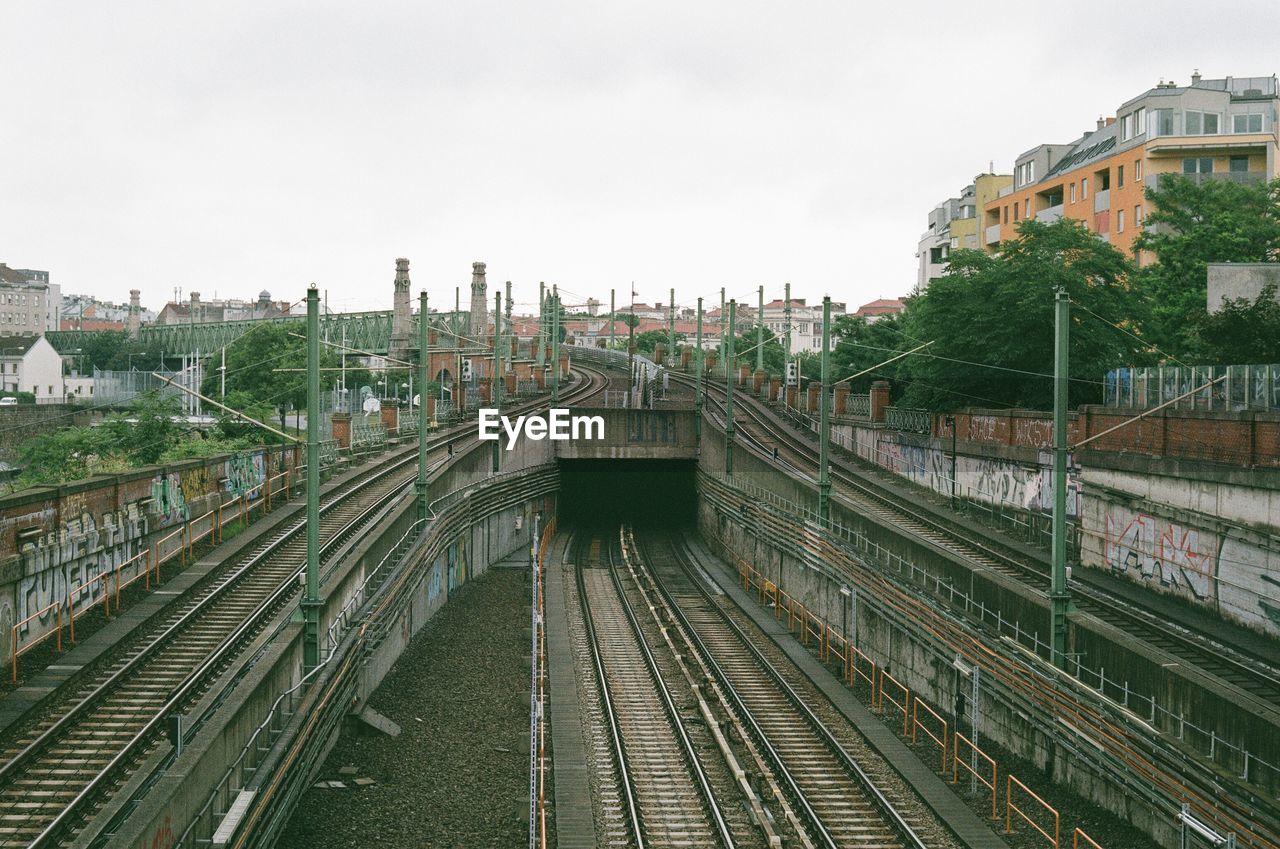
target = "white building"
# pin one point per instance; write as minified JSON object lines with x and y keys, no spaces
{"x":806,"y":322}
{"x":30,"y":364}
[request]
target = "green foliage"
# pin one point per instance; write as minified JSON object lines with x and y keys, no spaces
{"x":23,"y":397}
{"x":991,"y":321}
{"x":266,"y":370}
{"x":744,"y":347}
{"x":860,"y":345}
{"x":1189,"y":226}
{"x":646,"y":341}
{"x":114,"y":350}
{"x":1242,"y":333}
{"x":68,"y":454}
{"x":149,"y":429}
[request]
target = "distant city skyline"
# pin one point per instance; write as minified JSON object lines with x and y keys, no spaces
{"x":233,"y":148}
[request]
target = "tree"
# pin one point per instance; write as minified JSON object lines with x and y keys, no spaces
{"x":1243,"y":333}
{"x":1190,"y":225}
{"x":645,"y":342}
{"x":991,"y":319}
{"x":860,"y":345}
{"x":744,"y":348}
{"x":148,"y":430}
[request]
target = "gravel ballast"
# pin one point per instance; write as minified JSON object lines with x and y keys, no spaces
{"x":457,"y":776}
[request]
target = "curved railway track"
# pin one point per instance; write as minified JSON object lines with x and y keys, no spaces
{"x":1254,"y":675}
{"x":60,"y":768}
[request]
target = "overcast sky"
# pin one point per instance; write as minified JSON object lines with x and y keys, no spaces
{"x":235,"y":146}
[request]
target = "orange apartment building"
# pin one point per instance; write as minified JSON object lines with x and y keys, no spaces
{"x":1222,"y":129}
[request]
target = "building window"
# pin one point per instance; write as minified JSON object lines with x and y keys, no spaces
{"x":1084,"y":188}
{"x":1119,"y":177}
{"x":1162,"y":122}
{"x":1201,"y":123}
{"x":1015,"y":210}
{"x":1072,"y":193}
{"x":1139,"y":121}
{"x":1137,"y":216}
{"x":1137,"y":169}
{"x":1006,"y":214}
{"x":1126,"y":127}
{"x":1119,"y":221}
{"x":1239,"y":164}
{"x":1197,"y":165}
{"x":1246,"y":123}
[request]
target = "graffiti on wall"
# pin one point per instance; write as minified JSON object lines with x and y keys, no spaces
{"x":244,"y":473}
{"x":169,"y":502}
{"x":77,"y":580}
{"x":1160,"y":551}
{"x":983,"y":428}
{"x":1033,"y":433}
{"x":195,"y":484}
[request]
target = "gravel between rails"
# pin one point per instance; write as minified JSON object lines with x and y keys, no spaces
{"x":458,"y":774}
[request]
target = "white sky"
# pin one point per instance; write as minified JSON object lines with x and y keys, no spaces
{"x":235,"y":146}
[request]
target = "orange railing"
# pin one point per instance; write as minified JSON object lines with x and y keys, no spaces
{"x":917,"y":726}
{"x":1077,"y":836}
{"x":1010,"y":808}
{"x":900,"y":705}
{"x":143,"y":573}
{"x":868,"y":676}
{"x":958,"y":762}
{"x":13,"y":638}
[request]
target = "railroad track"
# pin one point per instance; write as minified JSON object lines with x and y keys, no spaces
{"x":1254,"y":675}
{"x":844,"y":793}
{"x":666,"y":798}
{"x":62,"y":767}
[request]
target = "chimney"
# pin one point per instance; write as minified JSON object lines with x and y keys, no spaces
{"x":1101,"y":123}
{"x":479,"y":325}
{"x":400,"y":310}
{"x":134,"y":322}
{"x":1195,"y":77}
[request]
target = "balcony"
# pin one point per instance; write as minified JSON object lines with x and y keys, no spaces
{"x":1240,"y":178}
{"x":1102,"y":200}
{"x":1050,"y":215}
{"x":992,"y":234}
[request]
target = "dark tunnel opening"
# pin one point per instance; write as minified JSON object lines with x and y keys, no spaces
{"x":643,"y":493}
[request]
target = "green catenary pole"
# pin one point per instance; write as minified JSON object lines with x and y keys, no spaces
{"x":723,"y":349}
{"x":698,"y":368}
{"x":786,"y":342}
{"x":424,"y":371}
{"x":728,"y":406}
{"x":613,"y":317}
{"x":555,"y":344}
{"x":542,"y":325}
{"x":496,"y":383}
{"x":760,"y":333}
{"x":311,"y":602}
{"x":671,"y":331}
{"x":1059,"y":596}
{"x":824,"y":419}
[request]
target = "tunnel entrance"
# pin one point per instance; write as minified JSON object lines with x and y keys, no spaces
{"x":644,"y":493}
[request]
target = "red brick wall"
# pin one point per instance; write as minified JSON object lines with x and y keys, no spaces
{"x":1243,"y":439}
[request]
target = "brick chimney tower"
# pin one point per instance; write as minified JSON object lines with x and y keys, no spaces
{"x":195,"y":306}
{"x":400,"y":314}
{"x":479,"y":327}
{"x":134,"y":322}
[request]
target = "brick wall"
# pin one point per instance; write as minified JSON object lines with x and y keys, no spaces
{"x":1242,"y":439}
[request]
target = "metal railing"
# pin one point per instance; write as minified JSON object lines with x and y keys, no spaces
{"x":859,"y":405}
{"x":904,"y":418}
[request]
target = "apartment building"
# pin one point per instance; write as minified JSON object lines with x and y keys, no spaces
{"x":806,"y":321}
{"x":1222,"y":129}
{"x":28,"y":302}
{"x":954,"y":223}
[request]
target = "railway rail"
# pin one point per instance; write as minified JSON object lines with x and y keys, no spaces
{"x":80,"y":744}
{"x":1255,"y":675}
{"x":843,"y":792}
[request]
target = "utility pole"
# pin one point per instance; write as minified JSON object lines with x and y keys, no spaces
{"x":497,"y":370}
{"x":760,"y":333}
{"x":786,"y":344}
{"x":542,"y":325}
{"x":697,"y":391}
{"x":613,"y":317}
{"x":723,"y":349}
{"x":824,"y":419}
{"x":424,"y":374}
{"x":631,"y":348}
{"x":508,"y":327}
{"x":728,"y":406}
{"x":222,"y":396}
{"x":311,"y":601}
{"x":1059,"y":596}
{"x":672,"y":331}
{"x":555,"y":344}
